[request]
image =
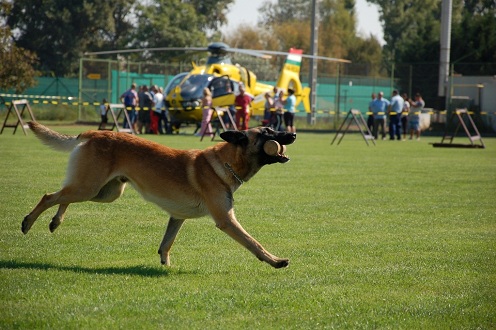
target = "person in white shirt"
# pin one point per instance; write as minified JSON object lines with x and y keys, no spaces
{"x":103,"y":114}
{"x":158,"y":104}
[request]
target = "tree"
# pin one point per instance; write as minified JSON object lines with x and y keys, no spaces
{"x":16,"y":63}
{"x":290,"y":21}
{"x":167,"y":23}
{"x":176,"y":23}
{"x":366,"y":55}
{"x":410,"y":28}
{"x":284,"y":11}
{"x":412,"y":33}
{"x":473,"y":25}
{"x":211,"y":13}
{"x":60,"y":31}
{"x":473,"y":35}
{"x":252,"y":37}
{"x":116,"y":29}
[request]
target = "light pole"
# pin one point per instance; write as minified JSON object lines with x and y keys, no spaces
{"x":312,"y":79}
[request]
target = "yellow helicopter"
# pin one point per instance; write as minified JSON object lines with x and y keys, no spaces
{"x":184,"y":92}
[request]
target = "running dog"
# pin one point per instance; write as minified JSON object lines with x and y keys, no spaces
{"x":185,"y":183}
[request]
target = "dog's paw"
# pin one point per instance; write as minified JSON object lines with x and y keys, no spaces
{"x":282,"y":263}
{"x":25,"y":226}
{"x":53,"y":225}
{"x":164,"y":259}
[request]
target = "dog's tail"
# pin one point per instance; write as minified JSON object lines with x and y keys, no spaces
{"x":55,"y":140}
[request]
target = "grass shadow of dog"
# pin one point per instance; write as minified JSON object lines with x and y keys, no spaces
{"x":135,"y":270}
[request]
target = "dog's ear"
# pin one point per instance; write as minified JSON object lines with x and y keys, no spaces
{"x":235,"y":137}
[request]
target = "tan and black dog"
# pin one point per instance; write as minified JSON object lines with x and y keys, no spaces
{"x":185,"y":183}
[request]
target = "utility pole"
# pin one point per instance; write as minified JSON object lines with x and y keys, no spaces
{"x":312,"y":79}
{"x":444,"y":57}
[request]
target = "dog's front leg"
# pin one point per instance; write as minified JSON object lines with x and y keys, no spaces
{"x":228,"y":224}
{"x":169,"y":237}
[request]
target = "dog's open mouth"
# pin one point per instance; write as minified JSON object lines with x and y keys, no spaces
{"x":276,"y":149}
{"x":275,"y":145}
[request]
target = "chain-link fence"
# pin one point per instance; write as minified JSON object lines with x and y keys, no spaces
{"x":340,"y":87}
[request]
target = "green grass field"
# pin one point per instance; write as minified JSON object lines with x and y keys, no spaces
{"x":397,"y":236}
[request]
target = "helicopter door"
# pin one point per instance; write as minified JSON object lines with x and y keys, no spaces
{"x":223,"y":91}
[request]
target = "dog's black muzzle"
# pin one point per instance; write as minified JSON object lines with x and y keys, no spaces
{"x":283,"y":138}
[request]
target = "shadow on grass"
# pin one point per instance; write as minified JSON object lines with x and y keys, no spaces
{"x":137,"y":270}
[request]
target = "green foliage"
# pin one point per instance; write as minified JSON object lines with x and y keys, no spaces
{"x":366,"y":51}
{"x":211,"y":13}
{"x":400,"y":235}
{"x":473,"y":33}
{"x":167,"y":23}
{"x":409,"y":28}
{"x":16,"y":63}
{"x":412,"y":33}
{"x":412,"y":30}
{"x":60,"y":32}
{"x":290,"y":21}
{"x":115,"y":29}
{"x":273,"y":13}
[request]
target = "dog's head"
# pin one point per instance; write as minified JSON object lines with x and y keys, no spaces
{"x":253,"y":141}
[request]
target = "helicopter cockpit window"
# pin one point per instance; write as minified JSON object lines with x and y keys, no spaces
{"x":193,"y":87}
{"x":221,"y":86}
{"x":176,"y":80}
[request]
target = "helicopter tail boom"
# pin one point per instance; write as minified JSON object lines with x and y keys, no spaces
{"x":293,"y":61}
{"x":290,"y":78}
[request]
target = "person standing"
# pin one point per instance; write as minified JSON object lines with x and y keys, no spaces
{"x":130,"y":100}
{"x":230,"y":111}
{"x":278,"y":112}
{"x":289,"y":113}
{"x":404,"y":115}
{"x":103,"y":113}
{"x":268,"y":105}
{"x":143,"y":115}
{"x":158,"y":105}
{"x":414,"y":115}
{"x":206,"y":127}
{"x":163,"y":123}
{"x":379,"y":108}
{"x":370,"y":119}
{"x":395,"y":109}
{"x":242,"y":103}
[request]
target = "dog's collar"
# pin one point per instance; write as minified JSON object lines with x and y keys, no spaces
{"x":229,"y":167}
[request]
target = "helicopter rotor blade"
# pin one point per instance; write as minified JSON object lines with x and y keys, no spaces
{"x":251,"y":52}
{"x":138,"y":50}
{"x":265,"y":54}
{"x":332,"y":59}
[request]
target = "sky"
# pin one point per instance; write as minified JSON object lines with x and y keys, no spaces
{"x":246,"y":12}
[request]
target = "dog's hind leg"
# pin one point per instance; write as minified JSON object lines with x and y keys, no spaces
{"x":47,"y":201}
{"x":83,"y":183}
{"x":58,"y":218}
{"x":169,"y":237}
{"x":69,"y":194}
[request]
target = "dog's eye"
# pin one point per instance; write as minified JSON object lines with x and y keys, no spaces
{"x":269,"y":131}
